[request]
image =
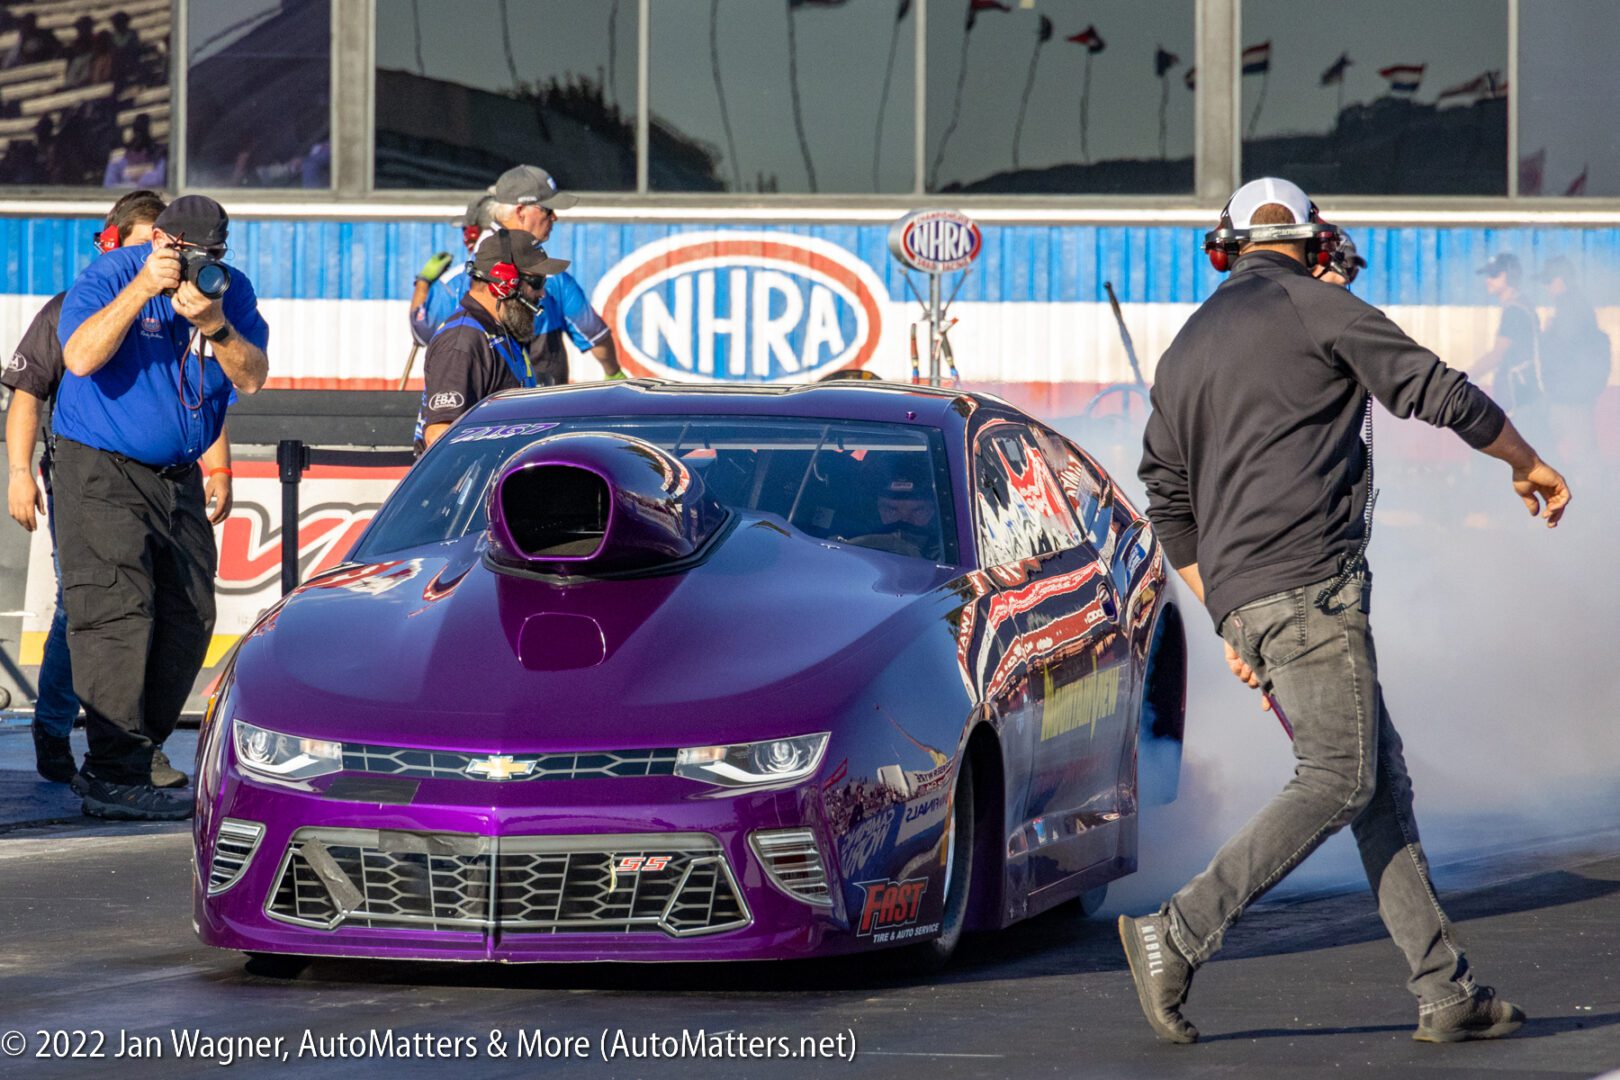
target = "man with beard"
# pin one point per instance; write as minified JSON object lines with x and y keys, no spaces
{"x":481,"y":349}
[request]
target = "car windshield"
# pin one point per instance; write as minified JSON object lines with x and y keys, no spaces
{"x":874,"y":485}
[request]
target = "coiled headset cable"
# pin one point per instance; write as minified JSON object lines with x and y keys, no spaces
{"x":1357,"y":562}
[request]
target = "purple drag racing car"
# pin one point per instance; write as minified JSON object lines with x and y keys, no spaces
{"x":644,"y":671}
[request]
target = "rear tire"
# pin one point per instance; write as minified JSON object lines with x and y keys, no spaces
{"x":276,"y":965}
{"x":934,"y":954}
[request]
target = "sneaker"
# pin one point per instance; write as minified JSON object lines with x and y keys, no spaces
{"x":164,"y":774}
{"x":1482,"y":1016}
{"x":1162,"y":975}
{"x":53,"y":756}
{"x":133,"y":802}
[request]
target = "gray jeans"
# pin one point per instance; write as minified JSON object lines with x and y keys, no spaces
{"x":1323,"y":671}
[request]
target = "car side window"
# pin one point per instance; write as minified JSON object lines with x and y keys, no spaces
{"x":1022,"y":509}
{"x":1083,"y":485}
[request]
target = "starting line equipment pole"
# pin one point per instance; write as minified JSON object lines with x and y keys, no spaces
{"x":936,"y":243}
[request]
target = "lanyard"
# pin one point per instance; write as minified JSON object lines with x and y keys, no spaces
{"x":515,"y":356}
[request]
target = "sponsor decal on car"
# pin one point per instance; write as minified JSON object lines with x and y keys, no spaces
{"x":1079,"y":704}
{"x":498,"y":431}
{"x":742,"y":307}
{"x":863,"y":842}
{"x":889,"y":905}
{"x":635,"y":864}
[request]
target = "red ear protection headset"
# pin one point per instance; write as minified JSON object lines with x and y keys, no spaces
{"x":469,"y":236}
{"x":502,"y":278}
{"x":106,"y":240}
{"x":1222,"y":244}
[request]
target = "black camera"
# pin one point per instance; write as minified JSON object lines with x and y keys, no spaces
{"x":208,"y":274}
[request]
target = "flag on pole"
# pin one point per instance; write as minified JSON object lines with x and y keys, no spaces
{"x":1484,"y":86}
{"x":1404,"y":78}
{"x":1532,"y":169}
{"x":1163,"y":61}
{"x":1335,"y":73}
{"x":1579,"y":186}
{"x":1090,"y":39}
{"x":905,"y":8}
{"x":1191,"y":78}
{"x":976,"y":6}
{"x":1045,"y":31}
{"x":1257,"y":59}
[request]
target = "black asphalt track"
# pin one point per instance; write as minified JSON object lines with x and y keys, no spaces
{"x":97,"y":929}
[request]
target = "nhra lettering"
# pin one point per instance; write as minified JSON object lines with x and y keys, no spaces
{"x":739,"y":306}
{"x":502,"y":431}
{"x":447,"y":400}
{"x":890,"y":904}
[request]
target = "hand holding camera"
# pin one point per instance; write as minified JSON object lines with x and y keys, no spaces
{"x":161,"y":274}
{"x":201,"y":311}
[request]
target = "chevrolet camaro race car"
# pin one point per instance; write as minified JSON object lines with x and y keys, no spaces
{"x":643,"y":671}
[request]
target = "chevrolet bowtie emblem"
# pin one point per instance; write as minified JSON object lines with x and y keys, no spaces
{"x":500,"y":767}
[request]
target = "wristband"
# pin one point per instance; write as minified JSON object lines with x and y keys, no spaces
{"x":226,"y":469}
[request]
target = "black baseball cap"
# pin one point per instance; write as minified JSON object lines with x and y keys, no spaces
{"x":525,"y":253}
{"x":1503,"y":262}
{"x":524,"y":185}
{"x":198,"y":219}
{"x":902,"y":476}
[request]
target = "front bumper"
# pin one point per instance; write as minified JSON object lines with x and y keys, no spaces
{"x":548,"y":870}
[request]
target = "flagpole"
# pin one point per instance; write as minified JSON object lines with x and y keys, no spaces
{"x":1260,"y":102}
{"x":956,"y":111}
{"x":1023,"y":102}
{"x":720,"y":92}
{"x":883,"y":104}
{"x":1085,"y":107}
{"x":1164,"y":108}
{"x":798,"y":112}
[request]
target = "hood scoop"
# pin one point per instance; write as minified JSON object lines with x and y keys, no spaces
{"x":594,"y":504}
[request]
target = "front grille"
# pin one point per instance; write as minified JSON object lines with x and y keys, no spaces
{"x":793,"y":861}
{"x":454,"y":765}
{"x":678,"y":884}
{"x":233,"y":850}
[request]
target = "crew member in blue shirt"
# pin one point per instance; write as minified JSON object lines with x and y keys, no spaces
{"x":527,"y":198}
{"x":152,"y":365}
{"x":443,"y":281}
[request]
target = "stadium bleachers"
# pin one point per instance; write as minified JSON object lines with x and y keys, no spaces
{"x":100,"y":116}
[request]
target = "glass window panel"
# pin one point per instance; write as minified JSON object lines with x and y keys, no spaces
{"x":803,"y":96}
{"x":466,"y":90}
{"x":1060,"y":96}
{"x":1568,"y":86}
{"x":1418,"y":106}
{"x":258,"y":93}
{"x":84,"y":93}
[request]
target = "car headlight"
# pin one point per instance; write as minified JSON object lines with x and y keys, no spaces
{"x":773,"y":761}
{"x":284,"y":757}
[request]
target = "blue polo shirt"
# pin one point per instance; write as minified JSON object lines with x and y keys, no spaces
{"x":133,"y":404}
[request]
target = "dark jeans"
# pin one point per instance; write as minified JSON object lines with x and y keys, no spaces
{"x":137,"y":556}
{"x":1323,"y":671}
{"x":57,"y":706}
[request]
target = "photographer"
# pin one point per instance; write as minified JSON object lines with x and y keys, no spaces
{"x":157,"y":339}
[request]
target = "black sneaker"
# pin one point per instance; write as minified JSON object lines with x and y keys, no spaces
{"x":1482,"y":1016}
{"x":133,"y":802}
{"x":1162,"y":975}
{"x":164,"y":774}
{"x":53,"y":756}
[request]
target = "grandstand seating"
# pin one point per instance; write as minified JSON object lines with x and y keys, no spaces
{"x":30,"y":92}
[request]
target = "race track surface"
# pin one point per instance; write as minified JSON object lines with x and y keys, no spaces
{"x":97,"y":924}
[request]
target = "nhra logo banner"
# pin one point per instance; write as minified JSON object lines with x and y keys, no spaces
{"x":742,"y":307}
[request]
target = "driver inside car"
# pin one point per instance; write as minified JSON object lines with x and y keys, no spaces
{"x":904,"y":499}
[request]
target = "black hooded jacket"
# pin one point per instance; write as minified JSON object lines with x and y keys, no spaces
{"x":1253,"y":458}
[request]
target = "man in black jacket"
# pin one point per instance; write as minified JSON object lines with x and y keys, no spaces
{"x":1257,"y":480}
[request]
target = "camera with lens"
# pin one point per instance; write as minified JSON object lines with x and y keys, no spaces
{"x":208,"y":274}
